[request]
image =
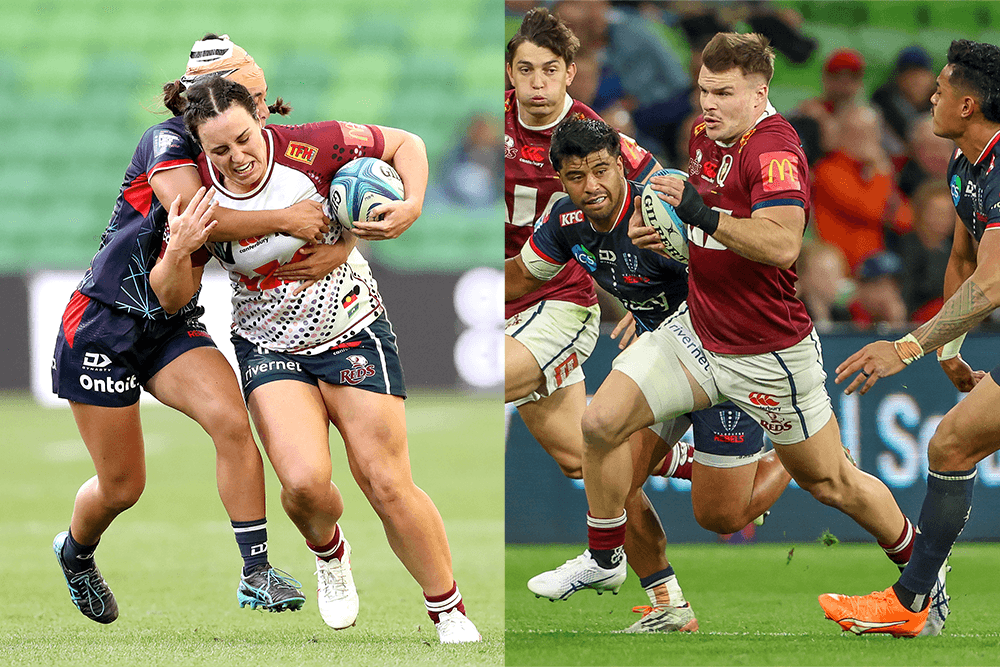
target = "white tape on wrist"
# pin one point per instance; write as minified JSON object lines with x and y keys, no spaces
{"x":950,"y":349}
{"x":908,"y":348}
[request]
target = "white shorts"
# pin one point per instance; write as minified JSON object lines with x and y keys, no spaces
{"x":783,"y":391}
{"x":560,"y":336}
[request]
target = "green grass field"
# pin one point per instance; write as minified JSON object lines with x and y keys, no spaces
{"x":174,"y":566}
{"x":754,"y":607}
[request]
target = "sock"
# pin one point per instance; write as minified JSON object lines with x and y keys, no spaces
{"x":942,"y":517}
{"x":334,"y":549}
{"x":606,"y":540}
{"x":677,"y":462}
{"x":440,"y":604}
{"x":78,"y":557}
{"x":251,"y":537}
{"x":663,"y":589}
{"x":899,"y":551}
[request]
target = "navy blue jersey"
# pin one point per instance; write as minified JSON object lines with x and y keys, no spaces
{"x":975,"y":188}
{"x":648,"y":284}
{"x":119,"y":273}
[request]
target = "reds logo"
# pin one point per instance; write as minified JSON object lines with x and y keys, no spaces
{"x":359,"y":370}
{"x":694,"y":164}
{"x":776,"y":423}
{"x":571,"y":218}
{"x":565,"y":368}
{"x":762,"y":400}
{"x":533,"y":153}
{"x":301,"y":152}
{"x":509,"y":152}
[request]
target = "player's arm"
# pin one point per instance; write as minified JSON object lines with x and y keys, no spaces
{"x":320,"y":259}
{"x":528,"y":271}
{"x":408,"y":155}
{"x":304,"y":220}
{"x":961,"y":266}
{"x":175,"y":278}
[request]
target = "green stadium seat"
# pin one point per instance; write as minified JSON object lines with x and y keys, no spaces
{"x":967,"y":17}
{"x":829,"y":38}
{"x":898,"y":14}
{"x":305,"y":77}
{"x":846,"y":13}
{"x":786,"y":97}
{"x":991,"y":36}
{"x":937,"y":41}
{"x":881,"y":46}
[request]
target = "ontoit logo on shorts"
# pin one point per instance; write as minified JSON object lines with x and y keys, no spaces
{"x":107,"y":385}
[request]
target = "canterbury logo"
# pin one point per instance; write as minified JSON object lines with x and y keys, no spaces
{"x":763,"y":400}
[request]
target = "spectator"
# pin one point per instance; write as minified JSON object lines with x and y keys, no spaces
{"x":584,"y":88}
{"x":926,"y":248}
{"x":824,"y":285}
{"x":877,"y":299}
{"x":637,"y":68}
{"x":472,"y":173}
{"x":928,"y":158}
{"x":817,"y":119}
{"x":854,"y":192}
{"x":906,"y":96}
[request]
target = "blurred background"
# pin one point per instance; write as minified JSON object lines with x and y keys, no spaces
{"x":81,"y":80}
{"x":855,"y":80}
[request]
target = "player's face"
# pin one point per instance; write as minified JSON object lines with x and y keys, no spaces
{"x":596,"y":184}
{"x":259,"y":95}
{"x":540,"y":78}
{"x":947,"y":104}
{"x":731,"y":102}
{"x":233,"y":141}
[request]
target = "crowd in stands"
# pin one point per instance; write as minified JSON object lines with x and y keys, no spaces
{"x":879,"y":238}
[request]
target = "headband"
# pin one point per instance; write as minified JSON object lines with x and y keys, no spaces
{"x":221,"y":57}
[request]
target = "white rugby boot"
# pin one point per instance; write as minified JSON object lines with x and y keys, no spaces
{"x":576,"y":574}
{"x":335,"y":592}
{"x":938,"y":607}
{"x":454,"y":627}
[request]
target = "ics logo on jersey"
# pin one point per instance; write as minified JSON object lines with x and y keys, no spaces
{"x":359,"y":370}
{"x":956,"y":189}
{"x":584,"y":257}
{"x":571,"y":218}
{"x":301,"y":152}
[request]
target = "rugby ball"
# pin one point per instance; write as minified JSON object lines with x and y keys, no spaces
{"x":661,"y":216}
{"x":256,"y":256}
{"x":360,"y":186}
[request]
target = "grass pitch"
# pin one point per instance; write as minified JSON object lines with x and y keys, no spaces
{"x":173,"y":564}
{"x":754,"y":605}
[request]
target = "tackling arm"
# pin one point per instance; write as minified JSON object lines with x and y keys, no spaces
{"x":175,"y":279}
{"x":518,"y":281}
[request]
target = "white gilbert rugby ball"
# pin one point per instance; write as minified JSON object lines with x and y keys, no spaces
{"x":256,"y":256}
{"x":661,"y":216}
{"x":361,"y":185}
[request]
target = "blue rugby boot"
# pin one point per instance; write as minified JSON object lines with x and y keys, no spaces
{"x":87,"y":589}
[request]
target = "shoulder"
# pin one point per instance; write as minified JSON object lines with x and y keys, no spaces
{"x":581,"y":110}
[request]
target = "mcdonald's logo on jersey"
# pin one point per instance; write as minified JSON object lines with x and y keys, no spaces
{"x":779,"y":170}
{"x":301,"y":152}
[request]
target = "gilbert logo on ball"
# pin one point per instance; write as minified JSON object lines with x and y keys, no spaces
{"x":662,"y":217}
{"x":360,"y":186}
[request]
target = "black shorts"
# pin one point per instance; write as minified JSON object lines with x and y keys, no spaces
{"x":367,"y":361}
{"x":104,"y":355}
{"x":725,"y":436}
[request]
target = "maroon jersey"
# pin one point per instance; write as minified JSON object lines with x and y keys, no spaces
{"x":739,"y":306}
{"x":531,"y":187}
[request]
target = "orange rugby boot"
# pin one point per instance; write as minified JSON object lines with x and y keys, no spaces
{"x":880,"y":611}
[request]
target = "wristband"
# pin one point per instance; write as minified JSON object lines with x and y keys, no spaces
{"x":908,"y":348}
{"x":694,"y":212}
{"x":950,"y":349}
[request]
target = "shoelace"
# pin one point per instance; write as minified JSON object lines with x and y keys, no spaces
{"x":279,"y":578}
{"x":568,"y":564}
{"x":334,"y":581}
{"x":83,"y":589}
{"x":645,"y":610}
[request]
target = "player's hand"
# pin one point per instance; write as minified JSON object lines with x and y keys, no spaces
{"x":960,"y":373}
{"x":313,"y":262}
{"x":306,"y":220}
{"x":668,"y":188}
{"x":873,"y":361}
{"x":397,"y":216}
{"x":692,"y":209}
{"x":190,"y":229}
{"x":625,"y":326}
{"x":643,"y":237}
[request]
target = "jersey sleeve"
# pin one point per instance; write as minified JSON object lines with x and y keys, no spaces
{"x":639,"y":162}
{"x":199,"y":257}
{"x":544,"y":254}
{"x":775,"y":169}
{"x":325,"y":147}
{"x":991,"y":200}
{"x":169,"y":149}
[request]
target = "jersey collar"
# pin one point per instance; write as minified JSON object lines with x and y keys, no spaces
{"x":769,"y":110}
{"x":989,"y":146}
{"x":567,"y":103}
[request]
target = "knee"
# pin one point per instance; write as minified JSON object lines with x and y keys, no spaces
{"x":600,"y":428}
{"x":719,"y":522}
{"x":229,"y":428}
{"x":123,"y":492}
{"x":304,"y":490}
{"x":385,"y":486}
{"x":945,"y":451}
{"x":830,"y":492}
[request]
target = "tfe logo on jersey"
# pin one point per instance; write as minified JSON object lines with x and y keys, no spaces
{"x":571,"y":218}
{"x":301,"y":152}
{"x":563,"y":370}
{"x":359,"y":370}
{"x":779,"y":170}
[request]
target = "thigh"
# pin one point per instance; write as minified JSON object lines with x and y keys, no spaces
{"x":554,"y":421}
{"x":201,"y":384}
{"x":819,"y":458}
{"x":113,"y":436}
{"x":717,"y":489}
{"x":293,"y":424}
{"x":373,"y":426}
{"x":522,"y":374}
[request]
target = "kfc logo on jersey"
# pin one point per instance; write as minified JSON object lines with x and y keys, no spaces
{"x":95,"y":360}
{"x":779,"y":170}
{"x":762,"y":400}
{"x":359,"y":370}
{"x":563,"y":370}
{"x":533,"y":154}
{"x":571,"y":218}
{"x":509,"y":152}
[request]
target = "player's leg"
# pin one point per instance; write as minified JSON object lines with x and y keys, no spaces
{"x":200,"y":383}
{"x":554,"y":421}
{"x":522,"y":374}
{"x":733,"y":481}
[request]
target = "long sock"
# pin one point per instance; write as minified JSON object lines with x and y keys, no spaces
{"x":78,"y":557}
{"x":899,"y":552}
{"x":440,"y":604}
{"x":663,"y":589}
{"x":251,"y":538}
{"x":334,"y":549}
{"x":677,"y":462}
{"x":606,"y":540}
{"x":942,"y":517}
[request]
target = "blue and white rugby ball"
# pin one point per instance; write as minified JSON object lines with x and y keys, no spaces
{"x":661,"y":216}
{"x":361,"y":185}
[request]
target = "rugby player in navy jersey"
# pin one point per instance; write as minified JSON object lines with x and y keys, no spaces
{"x":966,"y":109}
{"x":744,"y":336}
{"x":732,"y":480}
{"x":116,"y":337}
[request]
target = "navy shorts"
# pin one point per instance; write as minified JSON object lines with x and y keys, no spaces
{"x":104,"y":355}
{"x":367,"y":361}
{"x":726,"y":437}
